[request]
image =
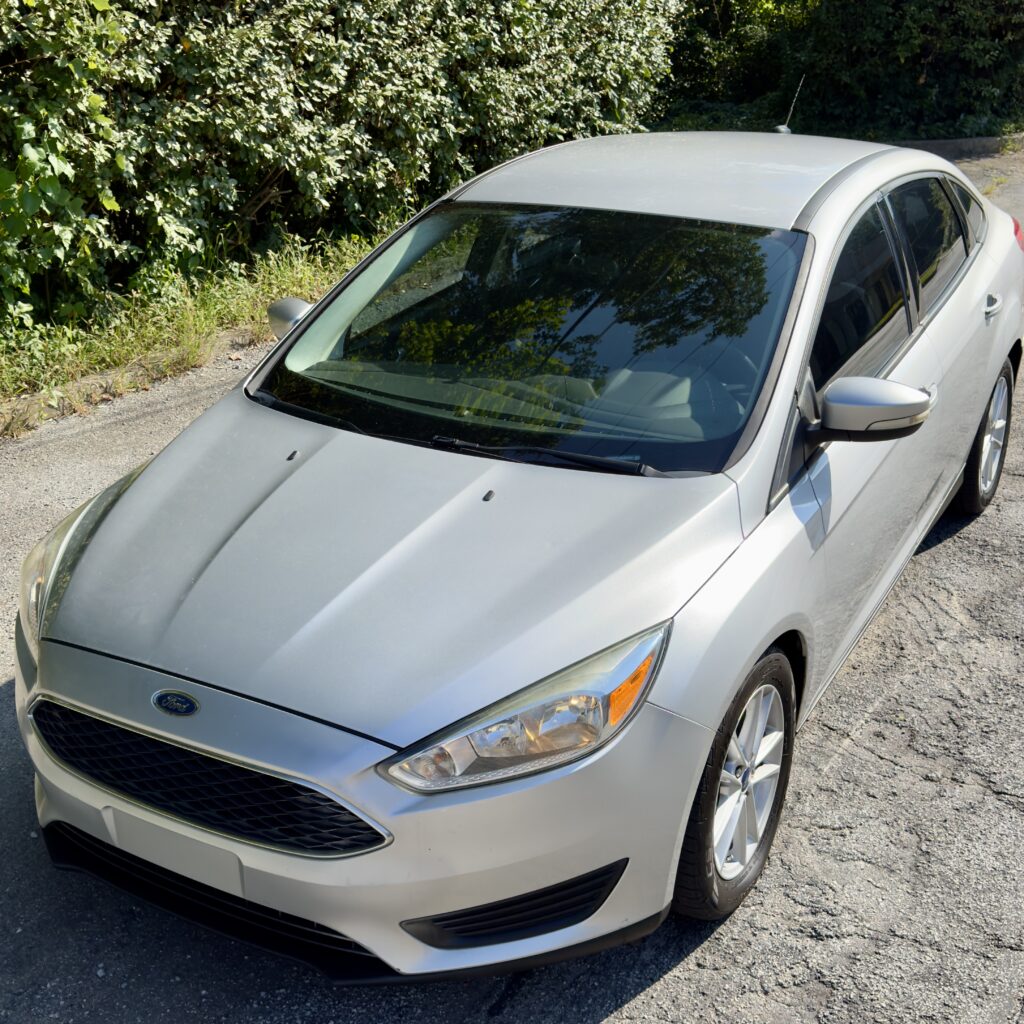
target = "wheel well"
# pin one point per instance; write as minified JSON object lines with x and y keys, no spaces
{"x":793,"y":647}
{"x":1015,"y":354}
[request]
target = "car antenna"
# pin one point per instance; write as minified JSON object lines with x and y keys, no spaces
{"x":784,"y":128}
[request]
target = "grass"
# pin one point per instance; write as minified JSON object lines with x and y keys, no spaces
{"x":998,"y":181}
{"x":177,"y":325}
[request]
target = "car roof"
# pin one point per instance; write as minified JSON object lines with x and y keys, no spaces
{"x":759,"y":179}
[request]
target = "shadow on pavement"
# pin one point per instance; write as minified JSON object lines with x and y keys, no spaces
{"x":949,"y":525}
{"x":69,"y":940}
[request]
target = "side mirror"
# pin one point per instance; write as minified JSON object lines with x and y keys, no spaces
{"x":285,"y":314}
{"x":871,"y":409}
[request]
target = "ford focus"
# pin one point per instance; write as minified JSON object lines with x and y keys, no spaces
{"x":476,"y":626}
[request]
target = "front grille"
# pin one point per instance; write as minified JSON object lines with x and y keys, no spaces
{"x":545,"y":910}
{"x":281,"y":933}
{"x":206,"y":791}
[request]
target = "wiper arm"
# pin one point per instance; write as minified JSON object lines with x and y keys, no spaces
{"x":599,"y":463}
{"x":507,"y":452}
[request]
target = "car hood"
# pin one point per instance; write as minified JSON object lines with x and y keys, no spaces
{"x":387,"y":588}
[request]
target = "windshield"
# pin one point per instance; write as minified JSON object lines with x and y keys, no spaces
{"x":622,"y":335}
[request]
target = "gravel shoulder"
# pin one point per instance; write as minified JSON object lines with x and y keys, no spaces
{"x":894,"y":891}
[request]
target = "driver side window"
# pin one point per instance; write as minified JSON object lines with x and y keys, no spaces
{"x":864,"y":317}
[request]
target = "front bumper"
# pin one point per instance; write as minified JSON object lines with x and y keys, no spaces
{"x":449,"y":851}
{"x":336,"y":956}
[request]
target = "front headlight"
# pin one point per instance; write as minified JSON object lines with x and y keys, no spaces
{"x":562,"y":718}
{"x":37,"y":572}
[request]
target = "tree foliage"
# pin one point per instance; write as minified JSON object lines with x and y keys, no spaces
{"x":875,"y":68}
{"x":143,"y":131}
{"x":734,"y":50}
{"x":912,"y":67}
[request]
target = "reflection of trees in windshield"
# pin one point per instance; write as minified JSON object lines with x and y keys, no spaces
{"x":508,"y":341}
{"x":546,"y":292}
{"x":627,"y":335}
{"x":706,"y":283}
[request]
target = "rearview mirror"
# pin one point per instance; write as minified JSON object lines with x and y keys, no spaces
{"x":285,"y":314}
{"x":871,"y":409}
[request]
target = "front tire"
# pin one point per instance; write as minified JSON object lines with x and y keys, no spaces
{"x":984,"y":467}
{"x":739,"y":800}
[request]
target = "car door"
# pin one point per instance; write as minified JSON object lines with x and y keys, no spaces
{"x":874,"y":495}
{"x":951,"y":288}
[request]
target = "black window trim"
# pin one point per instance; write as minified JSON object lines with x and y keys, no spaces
{"x":897,"y":250}
{"x":925,"y":318}
{"x":977,"y":237}
{"x":958,"y":208}
{"x":901,"y":253}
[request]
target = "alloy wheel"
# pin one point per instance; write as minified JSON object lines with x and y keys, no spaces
{"x":995,"y":437}
{"x":748,"y":781}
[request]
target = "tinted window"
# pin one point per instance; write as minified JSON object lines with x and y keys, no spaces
{"x":630,"y":336}
{"x":975,"y":215}
{"x":932,"y":230}
{"x":865,"y":314}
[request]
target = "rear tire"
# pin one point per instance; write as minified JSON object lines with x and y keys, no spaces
{"x":984,"y":468}
{"x":711,"y":883}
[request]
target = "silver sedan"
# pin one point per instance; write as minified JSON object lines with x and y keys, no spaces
{"x":476,"y":626}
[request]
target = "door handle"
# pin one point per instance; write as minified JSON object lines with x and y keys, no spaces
{"x":993,"y":305}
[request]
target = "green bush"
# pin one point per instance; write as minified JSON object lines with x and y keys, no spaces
{"x":874,"y":68}
{"x":733,"y":50}
{"x":904,"y":68}
{"x":152,"y":133}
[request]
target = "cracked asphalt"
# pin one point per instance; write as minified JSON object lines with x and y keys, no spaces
{"x":893,"y":893}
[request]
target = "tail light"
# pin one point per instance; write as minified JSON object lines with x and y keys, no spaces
{"x":1018,"y":233}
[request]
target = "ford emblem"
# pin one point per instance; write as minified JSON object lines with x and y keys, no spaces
{"x":174,"y":702}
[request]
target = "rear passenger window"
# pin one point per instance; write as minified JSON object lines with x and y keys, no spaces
{"x":864,"y":318}
{"x":934,"y":237}
{"x":975,"y":215}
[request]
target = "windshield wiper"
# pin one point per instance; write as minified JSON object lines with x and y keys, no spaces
{"x":599,"y":463}
{"x":507,"y":452}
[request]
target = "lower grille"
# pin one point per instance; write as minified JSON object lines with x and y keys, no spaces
{"x":520,"y":917}
{"x":206,"y":791}
{"x":238,"y":918}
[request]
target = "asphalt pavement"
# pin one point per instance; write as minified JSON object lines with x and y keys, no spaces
{"x":893,"y":893}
